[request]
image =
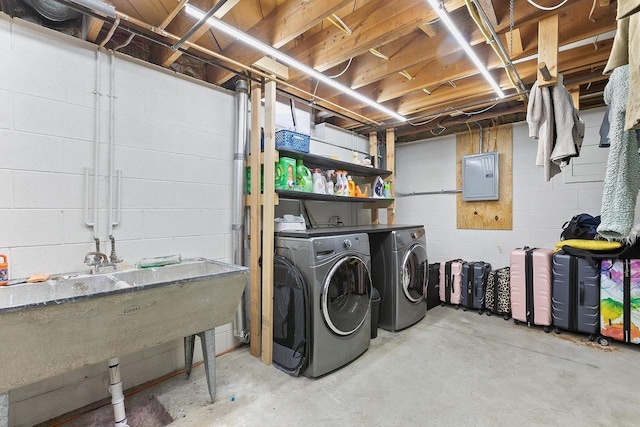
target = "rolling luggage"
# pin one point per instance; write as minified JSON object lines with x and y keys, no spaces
{"x":575,"y":303}
{"x":497,"y":295}
{"x":620,"y":300}
{"x":451,"y":282}
{"x":531,"y":286}
{"x":432,"y":290}
{"x":474,"y":280}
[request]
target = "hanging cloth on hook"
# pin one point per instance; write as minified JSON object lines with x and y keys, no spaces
{"x":626,"y":50}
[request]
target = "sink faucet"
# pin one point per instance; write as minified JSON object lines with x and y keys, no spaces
{"x":114,"y":258}
{"x":98,"y":260}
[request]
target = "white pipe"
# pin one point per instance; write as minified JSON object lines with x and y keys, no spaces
{"x":96,"y":156}
{"x":117,"y":395}
{"x":589,"y":40}
{"x":111,"y":140}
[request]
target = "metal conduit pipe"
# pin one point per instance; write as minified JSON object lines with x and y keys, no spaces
{"x":237,"y":225}
{"x":479,"y":17}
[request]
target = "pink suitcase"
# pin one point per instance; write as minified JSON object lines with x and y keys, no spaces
{"x":531,"y":278}
{"x":451,"y":282}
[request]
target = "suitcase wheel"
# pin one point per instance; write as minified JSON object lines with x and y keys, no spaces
{"x":457,"y":307}
{"x":557,"y":331}
{"x":464,"y":308}
{"x":480,"y":312}
{"x":442,"y":304}
{"x":591,"y":337}
{"x":516,"y":321}
{"x":603,"y":341}
{"x":546,"y":329}
{"x":488,"y":313}
{"x":506,"y":317}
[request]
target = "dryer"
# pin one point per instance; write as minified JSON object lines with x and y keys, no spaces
{"x":336,"y":270}
{"x":399,"y":272}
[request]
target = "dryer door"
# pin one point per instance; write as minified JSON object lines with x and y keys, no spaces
{"x":412,"y":274}
{"x":346,"y":295}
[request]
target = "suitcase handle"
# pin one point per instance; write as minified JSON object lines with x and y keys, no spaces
{"x":581,"y":293}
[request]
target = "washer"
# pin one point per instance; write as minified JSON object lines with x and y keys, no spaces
{"x":399,"y":266}
{"x":336,"y":269}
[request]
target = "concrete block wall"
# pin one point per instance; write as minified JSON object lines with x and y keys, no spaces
{"x":539,"y":208}
{"x":174,"y":146}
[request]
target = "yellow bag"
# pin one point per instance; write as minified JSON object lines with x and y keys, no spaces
{"x":590,"y":245}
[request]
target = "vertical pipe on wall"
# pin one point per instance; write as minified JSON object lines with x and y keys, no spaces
{"x":242,"y":96}
{"x":111,"y":141}
{"x":96,"y":156}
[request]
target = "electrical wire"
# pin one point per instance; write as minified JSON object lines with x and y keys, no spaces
{"x":534,"y":4}
{"x":495,"y":135}
{"x":476,"y":112}
{"x":334,"y":76}
{"x":470,"y":137}
{"x":426,"y":121}
{"x":593,"y":7}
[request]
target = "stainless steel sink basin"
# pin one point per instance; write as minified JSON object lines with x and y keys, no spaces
{"x":71,"y":320}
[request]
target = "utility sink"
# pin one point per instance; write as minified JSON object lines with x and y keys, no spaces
{"x":71,"y":321}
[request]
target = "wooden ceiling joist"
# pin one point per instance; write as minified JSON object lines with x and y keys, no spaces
{"x":282,"y":25}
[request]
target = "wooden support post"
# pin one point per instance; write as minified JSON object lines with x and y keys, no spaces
{"x":255,"y":223}
{"x":373,"y":151}
{"x":548,"y":51}
{"x":575,"y":96}
{"x":391,"y":153}
{"x":268,"y":214}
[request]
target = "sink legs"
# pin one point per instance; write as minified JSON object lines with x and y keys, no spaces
{"x":4,"y":409}
{"x":208,"y":341}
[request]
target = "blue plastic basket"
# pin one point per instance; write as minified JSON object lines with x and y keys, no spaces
{"x":290,"y":140}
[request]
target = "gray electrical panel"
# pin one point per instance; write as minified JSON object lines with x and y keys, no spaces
{"x":480,"y":177}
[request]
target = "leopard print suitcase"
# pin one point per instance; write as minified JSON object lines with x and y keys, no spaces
{"x":498,"y":290}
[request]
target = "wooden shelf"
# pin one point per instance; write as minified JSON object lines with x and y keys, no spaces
{"x":323,"y":162}
{"x":303,"y":195}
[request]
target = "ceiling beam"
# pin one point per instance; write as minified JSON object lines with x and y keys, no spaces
{"x":375,"y":24}
{"x":168,"y":56}
{"x":283,"y":24}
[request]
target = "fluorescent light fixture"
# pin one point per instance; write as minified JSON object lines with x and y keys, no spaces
{"x":285,"y":59}
{"x":444,"y":17}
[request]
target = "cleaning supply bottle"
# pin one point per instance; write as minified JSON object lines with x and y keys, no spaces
{"x":329,"y":188}
{"x":304,"y":179}
{"x":337,"y":190}
{"x":351,"y":186}
{"x":4,"y":270}
{"x":319,"y":184}
{"x":387,"y":190}
{"x":343,"y":189}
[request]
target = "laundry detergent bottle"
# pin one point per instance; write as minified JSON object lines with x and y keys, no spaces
{"x":304,"y":178}
{"x":351,"y":186}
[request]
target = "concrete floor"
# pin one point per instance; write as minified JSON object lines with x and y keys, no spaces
{"x":452,"y":368}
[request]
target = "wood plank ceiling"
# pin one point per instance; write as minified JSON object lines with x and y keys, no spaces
{"x":393,"y":51}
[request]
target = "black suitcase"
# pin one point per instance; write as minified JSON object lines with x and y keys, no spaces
{"x":575,"y":302}
{"x":497,"y":295}
{"x":432,"y":290}
{"x":474,"y":280}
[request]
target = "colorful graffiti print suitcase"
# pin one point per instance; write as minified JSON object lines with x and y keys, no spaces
{"x":432,"y":290}
{"x":531,"y":286}
{"x":451,"y":282}
{"x":497,"y":295}
{"x":620,"y":300}
{"x":575,"y":301}
{"x":474,"y":281}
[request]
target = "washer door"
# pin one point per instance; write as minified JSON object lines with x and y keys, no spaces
{"x":412,"y":273}
{"x":346,"y":295}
